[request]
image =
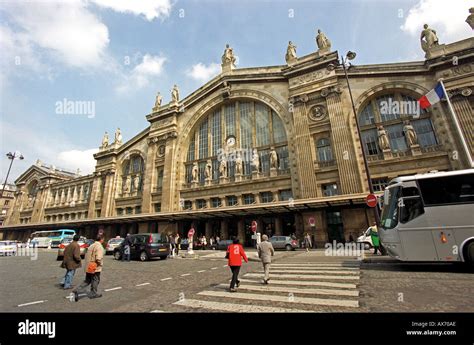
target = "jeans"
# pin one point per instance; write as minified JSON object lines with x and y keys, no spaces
{"x":235,"y":276}
{"x":93,"y":280}
{"x":68,"y":277}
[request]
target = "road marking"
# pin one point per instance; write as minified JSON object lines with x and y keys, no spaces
{"x":112,"y":289}
{"x":142,"y":284}
{"x":302,"y":283}
{"x":186,"y":274}
{"x":30,"y":303}
{"x":277,"y":270}
{"x":325,"y":264}
{"x":316,"y":268}
{"x":213,"y":268}
{"x":202,"y":271}
{"x":157,"y":311}
{"x":274,"y":298}
{"x":303,"y":276}
{"x":225,"y":265}
{"x":239,"y":308}
{"x":166,"y":279}
{"x":267,"y":288}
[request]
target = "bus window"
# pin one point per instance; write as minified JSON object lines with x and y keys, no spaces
{"x":447,"y":190}
{"x":411,"y":208}
{"x":390,"y":210}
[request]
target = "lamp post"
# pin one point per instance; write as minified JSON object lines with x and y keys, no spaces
{"x":11,"y":156}
{"x":350,"y":56}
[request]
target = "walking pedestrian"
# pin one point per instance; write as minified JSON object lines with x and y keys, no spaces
{"x":71,"y":261}
{"x":307,"y":242}
{"x":173,"y":245}
{"x":177,"y":241}
{"x":235,"y":253}
{"x":93,"y":264}
{"x":204,"y":242}
{"x":127,"y":243}
{"x":265,"y":253}
{"x":374,"y":235}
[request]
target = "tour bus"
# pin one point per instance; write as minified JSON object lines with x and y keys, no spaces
{"x":50,"y":238}
{"x":430,"y":217}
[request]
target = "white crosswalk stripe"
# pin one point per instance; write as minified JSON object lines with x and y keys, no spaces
{"x":293,"y":287}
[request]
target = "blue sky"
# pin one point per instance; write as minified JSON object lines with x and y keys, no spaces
{"x":79,"y":50}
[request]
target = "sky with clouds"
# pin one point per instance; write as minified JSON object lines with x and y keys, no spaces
{"x":116,"y":54}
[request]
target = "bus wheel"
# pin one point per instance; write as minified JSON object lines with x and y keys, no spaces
{"x":470,"y":253}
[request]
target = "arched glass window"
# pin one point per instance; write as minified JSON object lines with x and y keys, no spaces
{"x":390,"y":111}
{"x":253,"y":124}
{"x":324,"y":150}
{"x":132,"y":175}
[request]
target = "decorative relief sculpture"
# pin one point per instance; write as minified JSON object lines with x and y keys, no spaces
{"x":322,"y":41}
{"x":384,"y":143}
{"x":410,"y":134}
{"x":194,"y":172}
{"x":238,"y":164}
{"x":273,"y":159}
{"x":223,"y":166}
{"x":290,"y":53}
{"x":317,"y":112}
{"x":255,"y":161}
{"x":430,"y":38}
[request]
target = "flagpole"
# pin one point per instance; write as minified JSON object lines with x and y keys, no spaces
{"x":456,"y":123}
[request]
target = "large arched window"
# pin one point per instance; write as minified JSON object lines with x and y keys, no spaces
{"x":132,"y":175}
{"x":390,"y":111}
{"x":252,"y":124}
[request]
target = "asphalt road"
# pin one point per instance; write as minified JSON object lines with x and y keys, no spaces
{"x":382,"y":285}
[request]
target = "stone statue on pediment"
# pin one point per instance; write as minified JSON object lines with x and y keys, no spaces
{"x":228,"y":56}
{"x":223,"y":166}
{"x":238,"y":164}
{"x":255,"y":161}
{"x":158,"y":100}
{"x":118,"y":136}
{"x":430,"y":38}
{"x":175,"y":94}
{"x":410,"y":134}
{"x":194,"y":172}
{"x":470,"y":19}
{"x":322,"y":41}
{"x":273,"y":159}
{"x":105,"y":141}
{"x":290,"y":52}
{"x":208,"y":170}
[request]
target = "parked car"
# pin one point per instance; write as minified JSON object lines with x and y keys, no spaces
{"x":8,"y":248}
{"x":66,"y":241}
{"x":145,"y":246}
{"x":223,"y":244}
{"x":366,"y":239}
{"x":112,"y":244}
{"x":283,"y":242}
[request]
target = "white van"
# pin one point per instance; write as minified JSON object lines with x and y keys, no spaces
{"x":366,"y":239}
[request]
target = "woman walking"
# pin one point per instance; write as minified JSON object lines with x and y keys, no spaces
{"x":235,"y":253}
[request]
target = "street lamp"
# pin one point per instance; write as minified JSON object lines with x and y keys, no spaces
{"x":350,"y":56}
{"x":12,"y":157}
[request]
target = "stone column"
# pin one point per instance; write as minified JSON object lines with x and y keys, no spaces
{"x":149,"y":178}
{"x":208,"y":231}
{"x":224,"y":231}
{"x":463,"y":111}
{"x":278,"y":226}
{"x":241,"y":231}
{"x":307,"y":182}
{"x":169,"y":173}
{"x":348,"y":160}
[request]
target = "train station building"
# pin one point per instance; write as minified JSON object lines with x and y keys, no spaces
{"x":278,"y":145}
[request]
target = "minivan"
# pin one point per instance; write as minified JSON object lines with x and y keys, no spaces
{"x":145,"y":246}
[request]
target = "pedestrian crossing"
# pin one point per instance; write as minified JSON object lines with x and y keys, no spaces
{"x":293,"y":287}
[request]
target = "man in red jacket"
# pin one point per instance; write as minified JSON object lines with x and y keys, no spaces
{"x":235,"y":253}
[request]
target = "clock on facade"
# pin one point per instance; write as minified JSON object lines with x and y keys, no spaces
{"x":230,"y":140}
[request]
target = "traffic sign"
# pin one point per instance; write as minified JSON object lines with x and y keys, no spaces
{"x":312,"y":221}
{"x":254,"y":226}
{"x":371,"y":200}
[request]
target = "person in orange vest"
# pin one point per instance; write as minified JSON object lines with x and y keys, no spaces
{"x":235,"y":253}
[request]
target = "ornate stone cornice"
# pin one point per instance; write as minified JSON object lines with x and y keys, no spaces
{"x":461,"y":91}
{"x":163,"y":137}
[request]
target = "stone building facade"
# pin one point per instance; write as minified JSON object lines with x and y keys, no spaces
{"x":277,"y":145}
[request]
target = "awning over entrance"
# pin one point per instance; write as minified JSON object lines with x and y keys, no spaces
{"x":273,"y":208}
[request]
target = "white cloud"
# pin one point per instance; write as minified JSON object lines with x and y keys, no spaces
{"x":140,"y":76}
{"x":202,"y":72}
{"x":67,"y":31}
{"x":446,"y":17}
{"x":150,"y":9}
{"x":77,"y":159}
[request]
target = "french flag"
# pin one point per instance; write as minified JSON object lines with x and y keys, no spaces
{"x":432,"y":97}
